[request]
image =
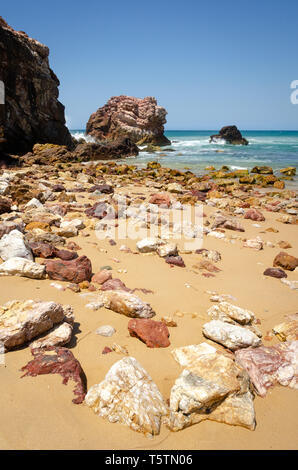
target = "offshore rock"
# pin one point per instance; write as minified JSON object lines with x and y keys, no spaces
{"x":231,"y":135}
{"x":139,"y":119}
{"x":32,"y":110}
{"x":128,"y":396}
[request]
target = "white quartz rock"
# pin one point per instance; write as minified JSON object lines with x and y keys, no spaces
{"x":225,"y":309}
{"x":231,"y":336}
{"x":13,"y":245}
{"x":128,"y":396}
{"x":148,"y":245}
{"x":22,"y":267}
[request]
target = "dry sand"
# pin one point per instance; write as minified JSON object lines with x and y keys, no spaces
{"x":38,"y":413}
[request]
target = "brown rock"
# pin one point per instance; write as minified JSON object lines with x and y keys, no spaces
{"x":32,"y":110}
{"x":254,"y":214}
{"x":285,"y":261}
{"x":153,"y":333}
{"x":74,"y":271}
{"x":161,"y":199}
{"x":275,"y":272}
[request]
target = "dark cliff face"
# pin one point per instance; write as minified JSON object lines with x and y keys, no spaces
{"x":32,"y":112}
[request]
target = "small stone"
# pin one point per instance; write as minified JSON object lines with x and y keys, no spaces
{"x":148,"y":245}
{"x":285,"y":261}
{"x":105,"y":330}
{"x":175,"y":261}
{"x":275,"y":272}
{"x":102,"y":276}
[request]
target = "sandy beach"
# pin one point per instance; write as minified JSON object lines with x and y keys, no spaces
{"x":38,"y":413}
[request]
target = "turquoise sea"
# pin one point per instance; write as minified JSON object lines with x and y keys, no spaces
{"x":192,"y":150}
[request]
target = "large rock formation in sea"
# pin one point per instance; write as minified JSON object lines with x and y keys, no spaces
{"x":142,"y":120}
{"x":32,"y":112}
{"x":231,"y":135}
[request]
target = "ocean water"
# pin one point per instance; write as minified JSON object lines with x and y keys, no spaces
{"x":192,"y":150}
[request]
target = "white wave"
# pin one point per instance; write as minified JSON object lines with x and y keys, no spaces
{"x":82,"y":135}
{"x":234,"y":167}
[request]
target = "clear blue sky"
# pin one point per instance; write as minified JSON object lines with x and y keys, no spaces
{"x":209,"y":63}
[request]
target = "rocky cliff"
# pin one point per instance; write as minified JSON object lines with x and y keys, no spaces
{"x":142,"y":120}
{"x":32,"y":112}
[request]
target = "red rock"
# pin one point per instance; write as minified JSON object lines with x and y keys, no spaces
{"x":285,"y":261}
{"x":76,"y":271}
{"x":42,"y":250}
{"x":153,"y":333}
{"x":254,"y":214}
{"x":102,"y":276}
{"x":175,"y":260}
{"x":139,"y":119}
{"x":275,"y":272}
{"x":98,"y":210}
{"x":161,"y":199}
{"x":106,"y":350}
{"x":58,"y":361}
{"x":73,"y":246}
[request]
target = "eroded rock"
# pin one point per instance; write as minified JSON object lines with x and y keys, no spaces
{"x":128,"y":396}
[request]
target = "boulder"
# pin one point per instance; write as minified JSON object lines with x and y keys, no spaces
{"x":290,"y":171}
{"x":105,"y":330}
{"x":139,"y":119}
{"x":22,"y":267}
{"x":262,"y":170}
{"x":275,"y":272}
{"x":32,"y":110}
{"x":285,"y":261}
{"x":154,"y":334}
{"x":212,"y":386}
{"x":102,"y":276}
{"x":128,"y":396}
{"x":58,"y":361}
{"x":231,"y":336}
{"x":231,"y":135}
{"x":20,"y":322}
{"x":76,"y":271}
{"x":14,"y":245}
{"x":268,"y":366}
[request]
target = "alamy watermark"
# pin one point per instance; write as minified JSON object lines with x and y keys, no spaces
{"x":2,"y":354}
{"x":180,"y":222}
{"x":294,"y":94}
